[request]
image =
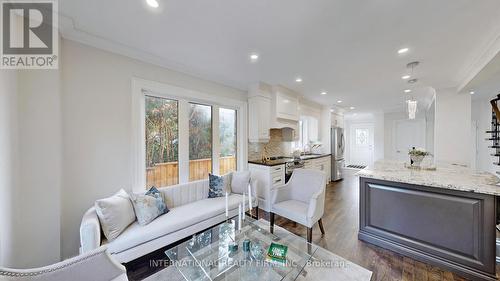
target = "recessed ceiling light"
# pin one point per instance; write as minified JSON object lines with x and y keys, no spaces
{"x":331,"y":110}
{"x":323,"y":93}
{"x":405,"y":77}
{"x":298,"y":80}
{"x":407,"y":91}
{"x":472,"y":92}
{"x":254,"y":57}
{"x":352,"y":107}
{"x":339,"y":101}
{"x":153,"y":3}
{"x":403,"y":50}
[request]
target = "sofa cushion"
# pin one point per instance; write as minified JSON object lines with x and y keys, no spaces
{"x":293,"y":210}
{"x":178,"y":218}
{"x":115,"y":214}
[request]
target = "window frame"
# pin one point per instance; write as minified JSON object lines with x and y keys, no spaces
{"x":142,"y":87}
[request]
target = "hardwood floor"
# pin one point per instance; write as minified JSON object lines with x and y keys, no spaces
{"x":341,"y":225}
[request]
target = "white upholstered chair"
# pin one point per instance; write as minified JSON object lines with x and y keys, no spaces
{"x":95,"y":265}
{"x":301,"y":200}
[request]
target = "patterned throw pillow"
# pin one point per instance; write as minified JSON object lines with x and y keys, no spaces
{"x":148,"y":206}
{"x":160,"y":203}
{"x":216,"y":186}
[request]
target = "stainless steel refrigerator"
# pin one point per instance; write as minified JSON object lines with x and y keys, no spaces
{"x":338,"y":149}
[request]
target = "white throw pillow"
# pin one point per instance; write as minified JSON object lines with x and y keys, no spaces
{"x":239,"y":182}
{"x":115,"y":214}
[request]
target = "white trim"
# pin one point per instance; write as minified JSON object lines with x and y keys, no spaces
{"x":183,"y":131}
{"x":492,"y":48}
{"x":215,"y":139}
{"x":183,"y":96}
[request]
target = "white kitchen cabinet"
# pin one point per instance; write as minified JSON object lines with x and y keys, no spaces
{"x":268,"y":179}
{"x":259,"y":115}
{"x":323,"y":164}
{"x":286,"y":103}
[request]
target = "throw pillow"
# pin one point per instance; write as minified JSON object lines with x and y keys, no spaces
{"x":240,"y":181}
{"x":115,"y":214}
{"x":217,"y":186}
{"x":160,"y":202}
{"x":148,"y":206}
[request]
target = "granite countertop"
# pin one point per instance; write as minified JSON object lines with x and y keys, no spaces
{"x":285,"y":160}
{"x":445,"y":176}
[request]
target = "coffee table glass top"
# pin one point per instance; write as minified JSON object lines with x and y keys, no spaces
{"x":207,"y":256}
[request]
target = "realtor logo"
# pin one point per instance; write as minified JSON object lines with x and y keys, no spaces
{"x":29,"y":35}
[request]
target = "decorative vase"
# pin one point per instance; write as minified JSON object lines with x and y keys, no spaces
{"x":416,"y":160}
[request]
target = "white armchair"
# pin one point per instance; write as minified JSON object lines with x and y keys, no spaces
{"x":301,"y":200}
{"x":95,"y":265}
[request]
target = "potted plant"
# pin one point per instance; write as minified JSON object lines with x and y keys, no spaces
{"x":417,"y":155}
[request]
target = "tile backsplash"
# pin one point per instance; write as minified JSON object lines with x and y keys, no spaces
{"x":275,"y":147}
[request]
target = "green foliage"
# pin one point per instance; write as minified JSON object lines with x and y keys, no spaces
{"x":227,"y":132}
{"x":162,"y":136}
{"x":200,"y":131}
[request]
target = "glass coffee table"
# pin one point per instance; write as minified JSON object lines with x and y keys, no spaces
{"x":212,"y":255}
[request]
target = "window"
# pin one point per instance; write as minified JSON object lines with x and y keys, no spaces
{"x":182,"y":135}
{"x":227,"y":139}
{"x":162,"y":141}
{"x":362,"y":136}
{"x":200,"y":141}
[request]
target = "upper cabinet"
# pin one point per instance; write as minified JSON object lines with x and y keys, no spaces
{"x":259,"y":113}
{"x":287,"y":103}
{"x":272,"y":107}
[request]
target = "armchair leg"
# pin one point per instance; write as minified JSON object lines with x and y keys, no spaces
{"x":271,"y":221}
{"x":309,"y":234}
{"x":320,"y":222}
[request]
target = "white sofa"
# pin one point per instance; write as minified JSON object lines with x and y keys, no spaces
{"x":191,"y":211}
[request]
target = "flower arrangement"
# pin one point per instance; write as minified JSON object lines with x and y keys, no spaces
{"x":418,"y":152}
{"x":417,"y":155}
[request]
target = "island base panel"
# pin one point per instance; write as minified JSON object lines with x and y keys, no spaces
{"x":447,"y":228}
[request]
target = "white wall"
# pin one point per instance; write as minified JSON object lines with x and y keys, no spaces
{"x":453,"y":127}
{"x":32,"y":167}
{"x":8,"y":134}
{"x":390,"y":120}
{"x":481,"y":122}
{"x":39,"y":186}
{"x":97,"y":126}
{"x":430,"y":117}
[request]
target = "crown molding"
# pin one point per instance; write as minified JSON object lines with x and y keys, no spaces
{"x":491,"y":49}
{"x":69,"y":30}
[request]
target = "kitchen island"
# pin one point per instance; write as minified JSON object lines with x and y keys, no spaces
{"x":445,"y":217}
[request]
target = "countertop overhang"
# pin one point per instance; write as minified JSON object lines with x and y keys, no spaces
{"x":445,"y":176}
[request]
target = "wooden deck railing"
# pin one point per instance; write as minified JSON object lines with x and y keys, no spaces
{"x":165,"y":174}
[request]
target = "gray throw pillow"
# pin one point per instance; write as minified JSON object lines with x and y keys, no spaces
{"x":240,"y":181}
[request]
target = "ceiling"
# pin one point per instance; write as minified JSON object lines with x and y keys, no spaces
{"x":486,"y":84}
{"x":346,"y":48}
